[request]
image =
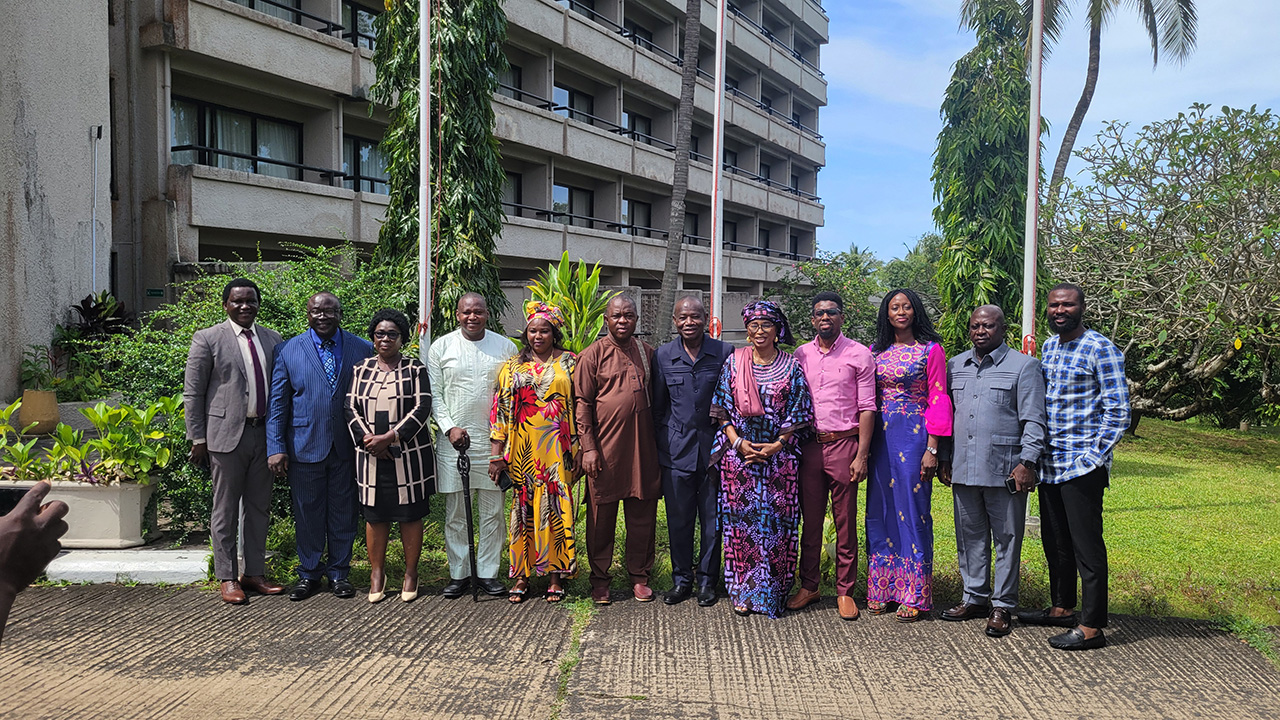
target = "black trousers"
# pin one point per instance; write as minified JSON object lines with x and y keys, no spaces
{"x":1071,"y":524}
{"x":691,"y":497}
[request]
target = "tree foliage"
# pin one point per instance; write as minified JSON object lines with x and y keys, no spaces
{"x":979,"y":173}
{"x":916,"y":270}
{"x":852,"y":274}
{"x":466,"y":59}
{"x":1176,"y":239}
{"x":575,"y":290}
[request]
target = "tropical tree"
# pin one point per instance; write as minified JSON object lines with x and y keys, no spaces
{"x":467,"y":57}
{"x":852,"y":274}
{"x":1176,"y":241}
{"x":916,"y":270}
{"x":979,"y":172}
{"x":1170,"y":26}
{"x":680,"y":178}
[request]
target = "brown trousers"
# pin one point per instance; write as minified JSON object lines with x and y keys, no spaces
{"x":641,"y":518}
{"x":824,"y":468}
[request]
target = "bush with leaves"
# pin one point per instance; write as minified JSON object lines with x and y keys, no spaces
{"x":576,"y":291}
{"x":851,"y":274}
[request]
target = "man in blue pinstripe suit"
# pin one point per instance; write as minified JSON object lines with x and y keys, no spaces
{"x":307,"y":440}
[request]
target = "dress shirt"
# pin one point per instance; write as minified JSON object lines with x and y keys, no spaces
{"x":682,"y":391}
{"x":337,"y":346}
{"x":999,"y":415}
{"x":842,"y":381}
{"x":243,"y":342}
{"x":1087,"y":402}
{"x":463,"y":374}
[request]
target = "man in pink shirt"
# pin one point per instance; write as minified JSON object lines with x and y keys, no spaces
{"x":842,"y":378}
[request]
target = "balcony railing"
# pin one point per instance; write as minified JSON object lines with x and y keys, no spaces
{"x":737,"y":12}
{"x":586,"y":221}
{"x":328,"y":176}
{"x":326,"y":26}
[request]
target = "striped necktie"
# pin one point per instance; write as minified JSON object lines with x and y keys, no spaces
{"x":329,"y":362}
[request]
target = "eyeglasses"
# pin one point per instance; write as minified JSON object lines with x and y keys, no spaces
{"x":386,"y":335}
{"x":324,"y":312}
{"x":762,"y":326}
{"x":827,"y":313}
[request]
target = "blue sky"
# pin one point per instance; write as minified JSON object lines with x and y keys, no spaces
{"x":889,"y":61}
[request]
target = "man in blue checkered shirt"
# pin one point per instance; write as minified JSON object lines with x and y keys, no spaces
{"x":1088,"y":406}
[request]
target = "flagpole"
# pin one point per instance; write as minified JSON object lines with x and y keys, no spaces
{"x":717,"y":177}
{"x":1033,"y":185}
{"x":424,"y":177}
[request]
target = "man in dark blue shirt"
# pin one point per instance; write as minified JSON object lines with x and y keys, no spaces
{"x":685,"y":372}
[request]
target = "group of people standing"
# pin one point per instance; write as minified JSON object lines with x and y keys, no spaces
{"x":746,"y":446}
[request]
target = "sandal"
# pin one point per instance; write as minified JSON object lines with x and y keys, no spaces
{"x":741,"y":610}
{"x":907,"y":614}
{"x":875,"y":607}
{"x":515,"y":595}
{"x":555,"y":596}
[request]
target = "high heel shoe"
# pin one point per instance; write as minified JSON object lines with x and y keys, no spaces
{"x":409,"y":595}
{"x":376,"y":597}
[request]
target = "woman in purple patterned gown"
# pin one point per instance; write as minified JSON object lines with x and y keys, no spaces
{"x":763,"y":401}
{"x":915,"y":412}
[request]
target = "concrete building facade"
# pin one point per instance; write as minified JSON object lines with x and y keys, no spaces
{"x":238,"y":127}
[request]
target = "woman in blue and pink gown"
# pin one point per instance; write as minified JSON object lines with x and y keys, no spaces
{"x":915,"y":412}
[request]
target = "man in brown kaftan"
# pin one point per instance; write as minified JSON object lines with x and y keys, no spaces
{"x":620,"y":454}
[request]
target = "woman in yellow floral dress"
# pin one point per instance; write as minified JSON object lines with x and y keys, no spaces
{"x":532,"y":438}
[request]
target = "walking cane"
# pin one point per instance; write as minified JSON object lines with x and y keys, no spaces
{"x":464,"y":469}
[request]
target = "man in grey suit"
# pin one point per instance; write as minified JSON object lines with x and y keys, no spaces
{"x":998,"y":435}
{"x":225,"y":393}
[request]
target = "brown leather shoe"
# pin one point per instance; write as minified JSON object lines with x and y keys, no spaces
{"x":232,"y":593}
{"x":966,"y":611}
{"x":600,"y":596}
{"x":260,"y":585}
{"x":848,"y":608}
{"x":642,"y":592}
{"x":803,"y":598}
{"x":999,"y":621}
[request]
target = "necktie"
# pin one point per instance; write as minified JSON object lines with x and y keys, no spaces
{"x":259,"y":380}
{"x":329,"y":362}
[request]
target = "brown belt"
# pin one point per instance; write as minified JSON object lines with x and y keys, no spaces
{"x":825,"y":437}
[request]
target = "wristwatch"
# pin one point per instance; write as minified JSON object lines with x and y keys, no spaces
{"x":1028,"y":464}
{"x":932,"y":450}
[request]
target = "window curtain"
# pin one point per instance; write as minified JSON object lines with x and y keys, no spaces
{"x":184,"y":129}
{"x":279,"y":142}
{"x":233,"y":132}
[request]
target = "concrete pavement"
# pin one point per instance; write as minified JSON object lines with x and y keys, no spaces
{"x":144,"y":652}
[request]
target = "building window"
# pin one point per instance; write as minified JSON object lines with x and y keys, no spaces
{"x":638,"y":34}
{"x":731,"y":233}
{"x":637,"y":218}
{"x":691,"y":225}
{"x":574,"y":104}
{"x":766,"y":171}
{"x":572,"y":206}
{"x":794,"y":246}
{"x":795,"y":182}
{"x":511,"y":81}
{"x":358,"y":23}
{"x":639,"y":127}
{"x":513,"y":194}
{"x":284,"y":13}
{"x":763,"y":239}
{"x":585,"y":7}
{"x":731,"y":158}
{"x":364,"y":165}
{"x":206,"y":134}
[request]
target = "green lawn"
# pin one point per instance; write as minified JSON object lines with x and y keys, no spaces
{"x":1192,"y":529}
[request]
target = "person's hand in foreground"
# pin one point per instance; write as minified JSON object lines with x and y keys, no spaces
{"x":28,"y":542}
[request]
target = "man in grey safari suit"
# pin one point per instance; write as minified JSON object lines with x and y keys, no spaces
{"x":225,"y":393}
{"x":997,"y":438}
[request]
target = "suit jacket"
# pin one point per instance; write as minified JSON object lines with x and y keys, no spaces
{"x":682,"y":390}
{"x":306,"y":416}
{"x":215,"y":387}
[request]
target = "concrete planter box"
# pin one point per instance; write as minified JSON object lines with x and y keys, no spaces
{"x":100,"y":517}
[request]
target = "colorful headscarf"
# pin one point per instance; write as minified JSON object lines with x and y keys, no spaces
{"x":538,"y":309}
{"x":771,"y":311}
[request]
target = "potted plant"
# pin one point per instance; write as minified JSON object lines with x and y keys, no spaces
{"x":105,"y":480}
{"x":39,"y":405}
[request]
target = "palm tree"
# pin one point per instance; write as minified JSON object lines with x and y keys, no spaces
{"x":1170,"y":25}
{"x":680,"y":180}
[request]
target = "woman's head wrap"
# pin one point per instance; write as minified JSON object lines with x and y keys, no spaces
{"x":538,"y":309}
{"x":771,"y":311}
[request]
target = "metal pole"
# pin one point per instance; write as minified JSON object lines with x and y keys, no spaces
{"x":1033,"y":185}
{"x":424,"y":177}
{"x":95,"y":134}
{"x":717,"y":177}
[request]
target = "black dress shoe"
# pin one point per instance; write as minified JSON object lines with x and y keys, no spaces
{"x":966,"y":611}
{"x":1042,"y":617}
{"x":1074,"y":639}
{"x":304,"y":589}
{"x":707,"y":596}
{"x":456,"y":588}
{"x":342,"y":588}
{"x":492,"y":586}
{"x":678,"y":594}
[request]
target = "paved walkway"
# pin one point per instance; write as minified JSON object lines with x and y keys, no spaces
{"x":176,"y":653}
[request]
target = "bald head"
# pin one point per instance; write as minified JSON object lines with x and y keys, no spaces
{"x":620,"y":317}
{"x":691,"y":303}
{"x":987,"y":329}
{"x":690,"y":318}
{"x":473,"y":315}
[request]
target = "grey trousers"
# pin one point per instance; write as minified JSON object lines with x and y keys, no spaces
{"x":987,"y":516}
{"x":241,"y":477}
{"x":489,"y":505}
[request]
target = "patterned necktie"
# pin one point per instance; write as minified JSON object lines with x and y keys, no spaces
{"x":259,"y":379}
{"x":329,"y":362}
